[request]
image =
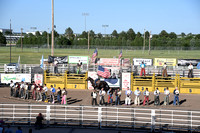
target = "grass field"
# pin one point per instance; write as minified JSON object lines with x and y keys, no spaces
{"x":33,"y":55}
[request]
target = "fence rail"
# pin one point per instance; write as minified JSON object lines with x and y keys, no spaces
{"x":102,"y":117}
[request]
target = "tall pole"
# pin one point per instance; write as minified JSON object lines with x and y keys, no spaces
{"x":10,"y":40}
{"x":85,"y":14}
{"x":21,"y":39}
{"x":144,"y":42}
{"x":52,"y":41}
{"x":149,"y":42}
{"x":88,"y":41}
{"x":48,"y":38}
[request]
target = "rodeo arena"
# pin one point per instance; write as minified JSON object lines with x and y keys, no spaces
{"x":121,"y":94}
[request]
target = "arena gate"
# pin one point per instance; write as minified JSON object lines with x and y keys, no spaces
{"x":184,"y":84}
{"x":69,"y":81}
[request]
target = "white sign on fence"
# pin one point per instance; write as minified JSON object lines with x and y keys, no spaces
{"x":138,"y":61}
{"x":126,"y":80}
{"x":6,"y":78}
{"x":38,"y":78}
{"x":75,"y":59}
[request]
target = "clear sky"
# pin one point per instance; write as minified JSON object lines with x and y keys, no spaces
{"x":153,"y":15}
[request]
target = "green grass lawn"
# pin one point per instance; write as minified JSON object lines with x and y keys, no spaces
{"x":33,"y":56}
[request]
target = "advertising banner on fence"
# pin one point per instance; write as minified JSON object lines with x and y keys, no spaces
{"x":6,"y":78}
{"x":61,"y":60}
{"x":126,"y":80}
{"x":38,"y":78}
{"x":109,"y":62}
{"x":186,"y":62}
{"x":138,"y":61}
{"x":161,"y":61}
{"x":75,"y":59}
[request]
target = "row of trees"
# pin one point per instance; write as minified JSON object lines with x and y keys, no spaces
{"x":124,"y":38}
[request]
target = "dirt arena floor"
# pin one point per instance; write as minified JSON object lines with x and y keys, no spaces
{"x":83,"y":97}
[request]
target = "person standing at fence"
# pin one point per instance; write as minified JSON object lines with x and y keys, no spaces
{"x":64,"y":98}
{"x":118,"y":96}
{"x":22,"y":90}
{"x":39,"y":93}
{"x":146,"y":97}
{"x":167,"y":94}
{"x":79,"y":65}
{"x":137,"y":96}
{"x":12,"y":85}
{"x":26,"y":89}
{"x":190,"y":73}
{"x":52,"y":94}
{"x":102,"y":93}
{"x":55,"y":65}
{"x":59,"y":92}
{"x":164,"y":73}
{"x":176,"y":96}
{"x":45,"y":91}
{"x":38,"y":123}
{"x":110,"y":96}
{"x":94,"y":97}
{"x":142,"y":66}
{"x":33,"y":89}
{"x":128,"y":96}
{"x":17,"y":89}
{"x":156,"y":97}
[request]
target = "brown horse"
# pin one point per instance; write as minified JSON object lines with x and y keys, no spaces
{"x":99,"y":84}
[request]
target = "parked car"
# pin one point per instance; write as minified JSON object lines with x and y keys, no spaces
{"x":12,"y":67}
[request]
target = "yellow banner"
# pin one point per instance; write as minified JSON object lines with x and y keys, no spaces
{"x":161,"y":61}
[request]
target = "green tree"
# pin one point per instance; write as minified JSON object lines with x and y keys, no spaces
{"x":131,"y":34}
{"x":7,"y":32}
{"x":2,"y":38}
{"x":115,"y":34}
{"x":37,"y":34}
{"x":84,"y":35}
{"x":197,"y":36}
{"x":92,"y":34}
{"x":172,"y":35}
{"x":163,"y":33}
{"x":147,"y":35}
{"x":99,"y":35}
{"x":69,"y":33}
{"x":138,"y":34}
{"x":183,"y":34}
{"x":123,"y":35}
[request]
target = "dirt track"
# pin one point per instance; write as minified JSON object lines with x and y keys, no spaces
{"x":82,"y":97}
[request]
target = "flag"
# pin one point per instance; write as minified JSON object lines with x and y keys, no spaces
{"x":42,"y":61}
{"x":120,"y":54}
{"x":95,"y":53}
{"x":103,"y":72}
{"x":19,"y":60}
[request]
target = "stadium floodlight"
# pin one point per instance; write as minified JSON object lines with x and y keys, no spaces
{"x":52,"y":35}
{"x":85,"y":14}
{"x":105,"y":26}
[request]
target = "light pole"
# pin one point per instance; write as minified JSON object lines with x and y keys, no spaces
{"x":88,"y":41}
{"x":144,"y":42}
{"x":21,"y":39}
{"x":149,"y":42}
{"x":10,"y":40}
{"x":85,"y":14}
{"x":48,"y":38}
{"x":52,"y":35}
{"x":105,"y":26}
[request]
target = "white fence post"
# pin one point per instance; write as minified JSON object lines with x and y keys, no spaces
{"x":99,"y":116}
{"x":153,"y":118}
{"x":48,"y":114}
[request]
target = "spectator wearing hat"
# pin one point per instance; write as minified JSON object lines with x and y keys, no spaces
{"x":146,"y":97}
{"x":176,"y":96}
{"x":137,"y":96}
{"x":164,"y":73}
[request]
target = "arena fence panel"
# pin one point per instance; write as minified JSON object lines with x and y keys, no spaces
{"x":184,"y":84}
{"x":101,"y":117}
{"x":66,"y":80}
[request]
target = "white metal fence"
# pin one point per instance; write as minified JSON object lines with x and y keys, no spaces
{"x":102,"y":117}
